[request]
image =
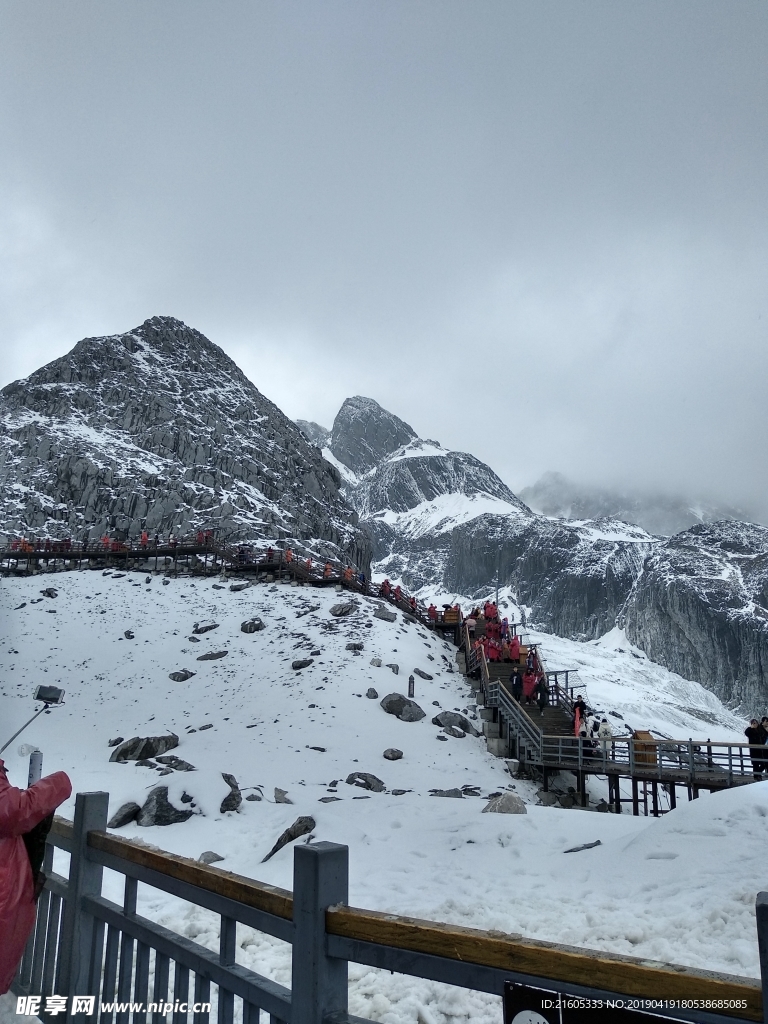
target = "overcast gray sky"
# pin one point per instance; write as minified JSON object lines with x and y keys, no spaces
{"x":534,"y":230}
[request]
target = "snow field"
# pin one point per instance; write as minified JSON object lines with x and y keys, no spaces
{"x":679,"y":889}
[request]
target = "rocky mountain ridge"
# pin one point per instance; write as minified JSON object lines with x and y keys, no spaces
{"x":445,"y":524}
{"x":158,"y":428}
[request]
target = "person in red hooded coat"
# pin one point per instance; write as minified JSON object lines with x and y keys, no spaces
{"x":20,"y":811}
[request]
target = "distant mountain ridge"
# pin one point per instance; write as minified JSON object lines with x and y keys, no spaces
{"x":660,"y":514}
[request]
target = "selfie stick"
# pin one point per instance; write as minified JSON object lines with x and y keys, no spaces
{"x":45,"y":707}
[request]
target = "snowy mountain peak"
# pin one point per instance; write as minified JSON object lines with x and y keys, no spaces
{"x":364,"y":433}
{"x":158,"y":428}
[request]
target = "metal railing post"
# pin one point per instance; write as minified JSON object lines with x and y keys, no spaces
{"x":319,"y":982}
{"x":77,"y":929}
{"x":761,"y":919}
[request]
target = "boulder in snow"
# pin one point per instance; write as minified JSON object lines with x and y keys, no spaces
{"x":205,"y":627}
{"x":213,"y":655}
{"x":234,"y":798}
{"x":129,"y":634}
{"x":301,"y":663}
{"x":181,"y":676}
{"x":371,"y":693}
{"x":354,"y":646}
{"x":345,"y":608}
{"x":395,"y":668}
{"x":376,"y":662}
{"x":281,"y":797}
{"x":252,"y":625}
{"x":401,"y":707}
{"x":128,"y":812}
{"x":237,"y":587}
{"x":451,"y":730}
{"x":507,"y":803}
{"x":385,"y":614}
{"x":115,"y":741}
{"x":366,"y":781}
{"x":453,"y":718}
{"x":209,"y":857}
{"x":138,"y":748}
{"x":176,"y":763}
{"x":301,"y":827}
{"x":423,"y":675}
{"x":157,"y":810}
{"x":393,"y":754}
{"x":455,"y":793}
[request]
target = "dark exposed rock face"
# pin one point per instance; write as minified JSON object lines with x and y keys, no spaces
{"x":314,"y":432}
{"x":700,"y":607}
{"x":363,"y":434}
{"x":159,"y":428}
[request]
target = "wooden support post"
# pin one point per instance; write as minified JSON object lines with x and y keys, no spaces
{"x":319,"y":982}
{"x":617,"y":794}
{"x":545,"y":779}
{"x":635,"y":801}
{"x":583,"y":788}
{"x":655,"y":798}
{"x":77,"y":928}
{"x":672,"y":796}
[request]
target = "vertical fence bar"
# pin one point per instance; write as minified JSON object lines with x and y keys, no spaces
{"x":43,"y":911}
{"x":141,"y":985}
{"x":319,"y":982}
{"x":761,"y":919}
{"x":110,"y":971}
{"x":51,"y":945}
{"x":227,"y":950}
{"x":125,"y":976}
{"x":84,"y":879}
{"x":160,"y":990}
{"x":203,"y":995}
{"x":180,"y":991}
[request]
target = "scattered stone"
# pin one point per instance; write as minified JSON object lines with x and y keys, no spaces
{"x":371,"y":693}
{"x":321,"y":749}
{"x":376,"y":662}
{"x":20,"y":606}
{"x":423,"y":675}
{"x":566,"y":800}
{"x":148,"y":579}
{"x":139,"y":747}
{"x":194,"y":639}
{"x":129,"y":634}
{"x":443,"y":738}
{"x":146,"y":763}
{"x":128,"y":812}
{"x":354,"y":646}
{"x":181,"y":676}
{"x":51,"y":611}
{"x":219,"y":586}
{"x":366,"y":781}
{"x":213,"y":656}
{"x":329,"y":799}
{"x":361,"y":798}
{"x":237,"y":587}
{"x":506,"y":803}
{"x":455,"y":793}
{"x":401,"y":707}
{"x":436,"y":703}
{"x":176,"y":763}
{"x":204,"y":727}
{"x":457,"y":721}
{"x":165,"y":771}
{"x":234,"y":798}
{"x":393,"y":754}
{"x":115,"y":741}
{"x":51,"y":591}
{"x":451,"y":730}
{"x":395,"y":668}
{"x":281,"y":797}
{"x":400,"y":792}
{"x":301,"y":663}
{"x":547,"y":799}
{"x":584,"y":846}
{"x":166,"y":582}
{"x":209,"y":857}
{"x":385,"y":614}
{"x":186,"y":798}
{"x":603,"y":807}
{"x":346,"y":608}
{"x":118,"y":575}
{"x":157,"y":810}
{"x":253,"y":797}
{"x":301,"y":827}
{"x":315,"y":654}
{"x":252,"y":625}
{"x":204,"y":627}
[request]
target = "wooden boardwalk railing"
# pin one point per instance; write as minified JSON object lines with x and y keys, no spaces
{"x":67,"y":954}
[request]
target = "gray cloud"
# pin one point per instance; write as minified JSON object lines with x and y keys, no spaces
{"x":536,"y":231}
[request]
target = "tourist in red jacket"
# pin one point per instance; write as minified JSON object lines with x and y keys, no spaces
{"x":20,"y":811}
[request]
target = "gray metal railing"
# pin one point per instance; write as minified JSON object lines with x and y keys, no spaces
{"x":85,"y":945}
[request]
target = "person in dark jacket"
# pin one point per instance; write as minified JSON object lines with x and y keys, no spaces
{"x":516,"y":681}
{"x":542,"y":693}
{"x":756,"y":735}
{"x":20,"y":811}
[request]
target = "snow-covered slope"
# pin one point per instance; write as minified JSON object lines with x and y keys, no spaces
{"x":652,"y":889}
{"x":159,"y":428}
